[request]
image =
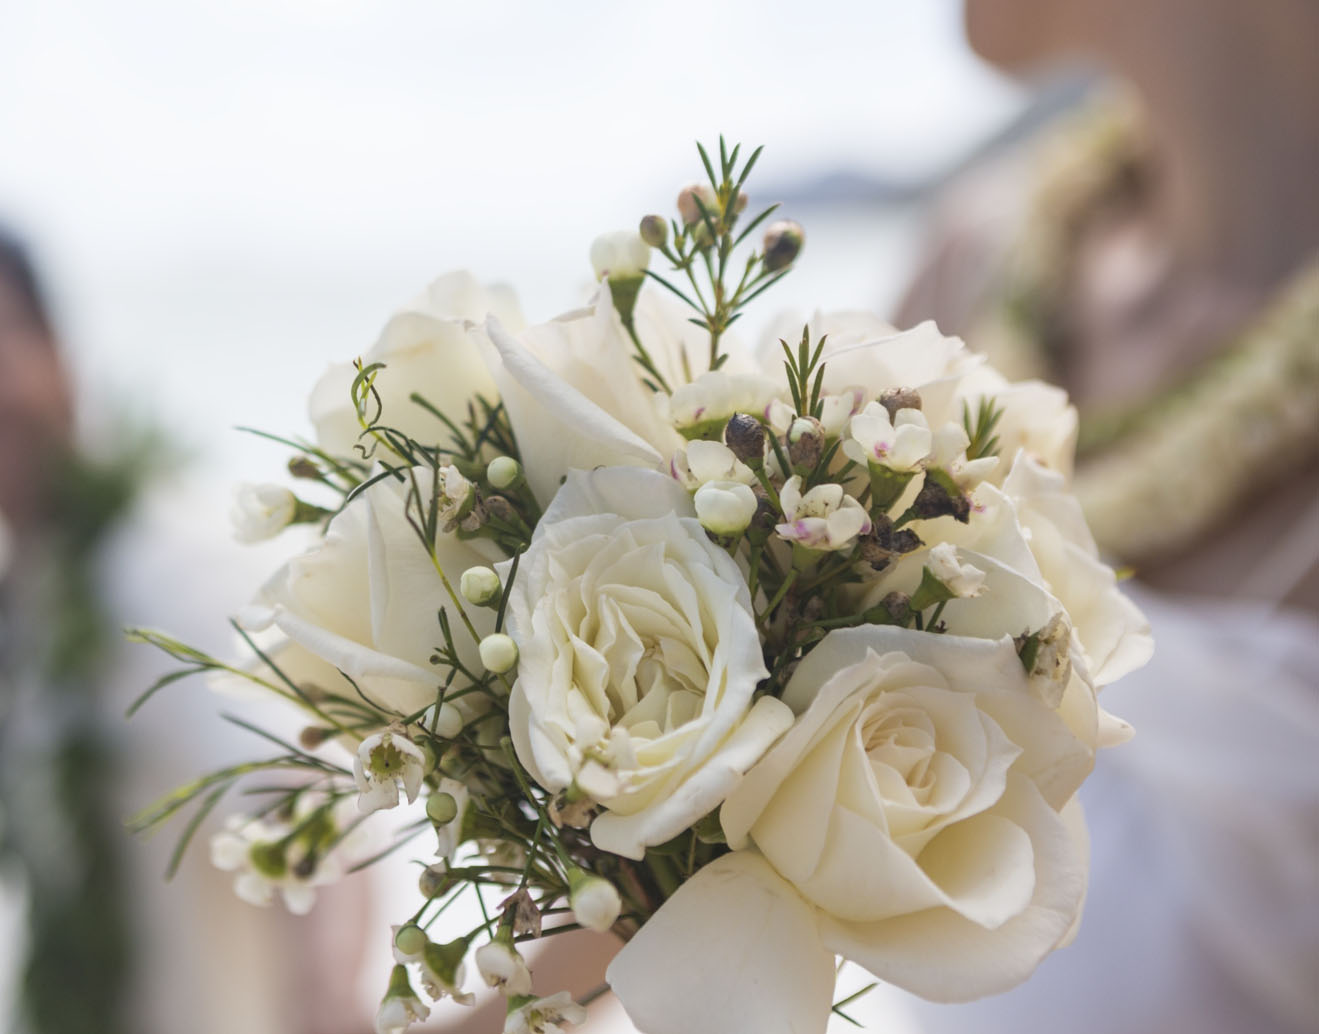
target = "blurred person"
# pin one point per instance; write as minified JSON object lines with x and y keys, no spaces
{"x":97,"y":943}
{"x":1158,"y":255}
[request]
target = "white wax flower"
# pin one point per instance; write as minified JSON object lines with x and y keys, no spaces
{"x":717,"y":394}
{"x":433,"y":348}
{"x":252,"y":849}
{"x":900,"y":444}
{"x":502,"y":967}
{"x":621,"y":255}
{"x":443,"y":971}
{"x":961,"y":579}
{"x":384,"y":762}
{"x":401,"y":1007}
{"x":639,"y":659}
{"x":701,"y":462}
{"x":363,"y":601}
{"x":825,"y":518}
{"x":725,"y":507}
{"x":261,"y":511}
{"x":595,"y":901}
{"x":838,"y":409}
{"x":949,"y":454}
{"x":545,"y":1015}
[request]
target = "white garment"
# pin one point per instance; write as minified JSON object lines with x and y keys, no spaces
{"x":1203,"y":911}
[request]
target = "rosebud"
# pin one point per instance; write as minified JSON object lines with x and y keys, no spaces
{"x":480,"y":586}
{"x":503,"y":473}
{"x":745,"y":436}
{"x":783,"y":243}
{"x":594,"y":901}
{"x":654,"y":231}
{"x":688,"y":207}
{"x":498,"y":653}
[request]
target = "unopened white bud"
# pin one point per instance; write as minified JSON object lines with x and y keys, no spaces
{"x":621,"y":255}
{"x":595,"y":901}
{"x":725,"y":507}
{"x":503,"y":472}
{"x":498,"y":653}
{"x":261,"y":511}
{"x":480,"y":586}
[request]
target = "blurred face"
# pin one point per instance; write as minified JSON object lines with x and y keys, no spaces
{"x":34,"y":407}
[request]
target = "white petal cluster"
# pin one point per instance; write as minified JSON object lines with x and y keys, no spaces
{"x":383,"y":763}
{"x":823,"y":518}
{"x":266,"y":862}
{"x":702,"y":462}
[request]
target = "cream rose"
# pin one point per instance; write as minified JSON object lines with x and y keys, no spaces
{"x":639,"y":659}
{"x":910,"y":821}
{"x":431,"y":347}
{"x":363,"y":601}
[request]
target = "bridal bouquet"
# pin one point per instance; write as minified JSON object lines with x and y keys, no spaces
{"x":757,"y":658}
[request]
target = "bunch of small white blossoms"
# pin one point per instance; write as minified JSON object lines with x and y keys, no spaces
{"x":754,"y":657}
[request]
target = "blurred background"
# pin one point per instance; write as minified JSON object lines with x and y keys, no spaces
{"x":222,"y":199}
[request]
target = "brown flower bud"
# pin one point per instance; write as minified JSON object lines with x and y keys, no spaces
{"x":745,"y":436}
{"x":899,"y":398}
{"x":521,"y":909}
{"x":304,"y":467}
{"x":782,"y":244}
{"x":654,"y":231}
{"x":805,"y":442}
{"x":935,"y":500}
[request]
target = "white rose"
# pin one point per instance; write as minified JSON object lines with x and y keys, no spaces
{"x":261,"y":511}
{"x":431,"y":347}
{"x":902,"y":822}
{"x":639,"y":658}
{"x":364,"y":599}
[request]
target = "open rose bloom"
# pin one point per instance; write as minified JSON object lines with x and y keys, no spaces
{"x":759,"y":664}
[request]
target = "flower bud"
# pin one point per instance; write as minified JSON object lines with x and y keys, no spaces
{"x":400,"y":1008}
{"x":621,"y":255}
{"x":783,"y":243}
{"x":261,"y":511}
{"x":480,"y":586}
{"x":434,"y":880}
{"x":304,"y":467}
{"x":498,"y":653}
{"x":595,"y":902}
{"x":690,"y":209}
{"x":503,"y":473}
{"x":725,"y":507}
{"x":805,"y":442}
{"x":740,"y":202}
{"x":312,"y":736}
{"x":441,"y":808}
{"x":409,"y":940}
{"x":899,"y":398}
{"x":654,"y":231}
{"x":745,"y":436}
